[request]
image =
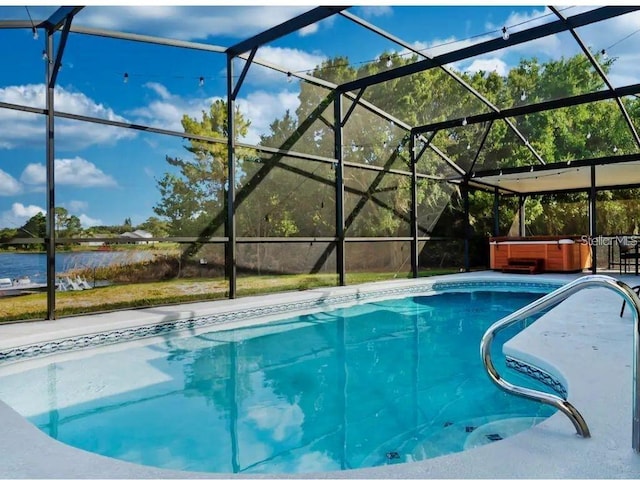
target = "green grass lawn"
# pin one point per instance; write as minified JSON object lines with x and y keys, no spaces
{"x":114,"y":297}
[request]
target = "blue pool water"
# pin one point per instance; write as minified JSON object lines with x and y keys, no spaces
{"x":385,"y":382}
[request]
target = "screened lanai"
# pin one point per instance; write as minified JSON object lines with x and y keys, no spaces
{"x":162,"y":150}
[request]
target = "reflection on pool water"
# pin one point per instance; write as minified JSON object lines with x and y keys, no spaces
{"x":384,"y":382}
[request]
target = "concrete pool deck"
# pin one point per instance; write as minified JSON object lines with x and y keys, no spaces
{"x":583,"y":340}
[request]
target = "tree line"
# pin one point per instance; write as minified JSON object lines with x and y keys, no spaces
{"x":69,"y":226}
{"x":283,"y":196}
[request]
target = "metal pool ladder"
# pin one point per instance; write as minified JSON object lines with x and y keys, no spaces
{"x":551,"y":300}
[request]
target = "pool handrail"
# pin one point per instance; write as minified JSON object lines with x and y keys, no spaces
{"x":551,"y":300}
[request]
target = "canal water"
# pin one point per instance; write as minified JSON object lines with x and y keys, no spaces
{"x":33,"y":265}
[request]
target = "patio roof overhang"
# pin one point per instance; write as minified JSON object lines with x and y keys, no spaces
{"x":570,"y":176}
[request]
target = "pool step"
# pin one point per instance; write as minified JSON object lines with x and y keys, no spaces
{"x":524,"y":265}
{"x":471,"y":434}
{"x":499,"y":429}
{"x":431,"y":440}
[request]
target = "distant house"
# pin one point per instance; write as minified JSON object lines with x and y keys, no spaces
{"x":138,"y":236}
{"x":93,"y":243}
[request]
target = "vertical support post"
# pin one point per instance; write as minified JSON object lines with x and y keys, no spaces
{"x":592,"y":220}
{"x":414,"y":208}
{"x":521,"y":208}
{"x":467,"y":225}
{"x":340,"y":250}
{"x":496,"y":213}
{"x":50,"y":235}
{"x":230,"y":257}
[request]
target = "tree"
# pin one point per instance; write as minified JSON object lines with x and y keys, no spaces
{"x":67,"y":226}
{"x":61,"y":218}
{"x":156,"y":227}
{"x":190,"y":197}
{"x":278,"y":195}
{"x":35,"y":227}
{"x":7,"y":234}
{"x":73,"y":226}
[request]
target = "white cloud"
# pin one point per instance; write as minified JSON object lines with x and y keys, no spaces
{"x":34,"y":174}
{"x":375,"y":11}
{"x":518,"y":21}
{"x":76,"y":206}
{"x":488,"y":65}
{"x":598,"y":36}
{"x":167,"y":111}
{"x":29,"y":211}
{"x":619,"y":37}
{"x":261,"y":107}
{"x":625,"y":70}
{"x":8,"y":185}
{"x":189,"y":23}
{"x":439,"y":46}
{"x":290,"y":58}
{"x":20,"y":129}
{"x":18,"y":215}
{"x":160,"y":89}
{"x":69,"y":171}
{"x":82,"y":173}
{"x":86,"y":221}
{"x":553,"y":46}
{"x":152,"y":143}
{"x":280,"y":420}
{"x":308,"y":30}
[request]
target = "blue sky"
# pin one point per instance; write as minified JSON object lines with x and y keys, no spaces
{"x":106,"y":174}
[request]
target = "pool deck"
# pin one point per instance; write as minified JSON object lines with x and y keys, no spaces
{"x":583,"y":340}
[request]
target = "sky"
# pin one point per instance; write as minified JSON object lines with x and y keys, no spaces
{"x":107,"y":174}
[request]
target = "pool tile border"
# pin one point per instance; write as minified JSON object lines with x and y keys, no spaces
{"x":537,"y":373}
{"x":136,"y":333}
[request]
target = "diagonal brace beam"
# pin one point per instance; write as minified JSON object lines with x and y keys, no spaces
{"x":516,"y":38}
{"x":243,"y":74}
{"x":602,"y":74}
{"x":534,"y":108}
{"x":57,"y":18}
{"x":58,"y":61}
{"x":447,"y":71}
{"x":354,"y":104}
{"x":285,"y":28}
{"x":484,"y":139}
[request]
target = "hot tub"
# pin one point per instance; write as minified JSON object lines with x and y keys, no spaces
{"x":557,"y":253}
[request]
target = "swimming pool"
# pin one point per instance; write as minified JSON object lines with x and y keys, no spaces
{"x":383,"y":382}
